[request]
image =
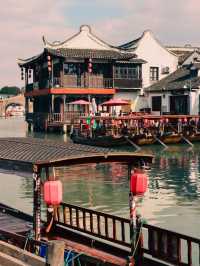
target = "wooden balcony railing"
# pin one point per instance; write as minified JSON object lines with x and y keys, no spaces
{"x":90,"y":81}
{"x":161,"y":244}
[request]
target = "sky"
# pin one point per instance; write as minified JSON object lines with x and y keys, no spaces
{"x":24,"y":22}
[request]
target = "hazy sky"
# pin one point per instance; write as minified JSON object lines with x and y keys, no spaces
{"x":24,"y":22}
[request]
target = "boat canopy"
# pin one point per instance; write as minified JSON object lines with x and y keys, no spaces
{"x":30,"y":153}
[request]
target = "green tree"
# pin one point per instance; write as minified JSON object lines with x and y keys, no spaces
{"x":13,"y":90}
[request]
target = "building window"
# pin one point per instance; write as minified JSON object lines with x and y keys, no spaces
{"x":154,"y":73}
{"x":126,"y":73}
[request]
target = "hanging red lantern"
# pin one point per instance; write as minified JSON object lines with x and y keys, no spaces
{"x":166,"y":120}
{"x":185,"y":119}
{"x":53,"y":192}
{"x":138,"y":182}
{"x":90,"y":65}
{"x":48,"y":57}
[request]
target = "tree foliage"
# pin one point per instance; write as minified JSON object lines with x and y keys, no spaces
{"x":13,"y":90}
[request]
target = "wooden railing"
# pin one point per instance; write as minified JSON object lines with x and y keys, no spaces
{"x":90,"y":81}
{"x":161,"y":244}
{"x":105,"y":226}
{"x":65,"y":117}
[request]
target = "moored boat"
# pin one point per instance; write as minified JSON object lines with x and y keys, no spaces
{"x":194,"y":137}
{"x":144,"y":140}
{"x":98,"y":238}
{"x":171,"y":138}
{"x":101,"y":141}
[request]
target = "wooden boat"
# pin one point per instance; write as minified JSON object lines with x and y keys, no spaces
{"x":194,"y":137}
{"x":143,"y":140}
{"x":98,"y":238}
{"x":171,"y":138}
{"x":101,"y":141}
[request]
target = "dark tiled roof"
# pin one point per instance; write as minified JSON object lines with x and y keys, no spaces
{"x":89,"y":53}
{"x":29,"y":151}
{"x":132,"y":60}
{"x":131,"y":44}
{"x":183,"y":56}
{"x":177,"y":80}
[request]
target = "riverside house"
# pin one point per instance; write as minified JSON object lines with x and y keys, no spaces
{"x":82,"y":67}
{"x":178,"y":93}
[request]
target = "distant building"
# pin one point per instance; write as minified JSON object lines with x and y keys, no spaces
{"x":186,"y":54}
{"x":82,"y":67}
{"x":178,"y":93}
{"x":160,"y":61}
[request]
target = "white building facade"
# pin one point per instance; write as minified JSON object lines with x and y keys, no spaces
{"x":178,"y":94}
{"x":159,"y":63}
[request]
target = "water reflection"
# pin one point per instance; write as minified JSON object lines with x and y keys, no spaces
{"x":172,"y":200}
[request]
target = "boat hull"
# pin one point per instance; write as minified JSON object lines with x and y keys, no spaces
{"x":194,"y":138}
{"x":171,"y":139}
{"x":145,"y":141}
{"x":104,"y":141}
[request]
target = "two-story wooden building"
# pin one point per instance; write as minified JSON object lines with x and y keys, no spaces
{"x":82,"y":67}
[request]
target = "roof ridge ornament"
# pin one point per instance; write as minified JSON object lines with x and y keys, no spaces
{"x":85,"y":28}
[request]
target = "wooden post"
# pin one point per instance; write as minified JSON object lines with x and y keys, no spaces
{"x":133,"y":220}
{"x":55,"y":253}
{"x":36,"y":202}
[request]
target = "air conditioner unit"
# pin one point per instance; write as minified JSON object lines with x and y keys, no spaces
{"x":165,"y":70}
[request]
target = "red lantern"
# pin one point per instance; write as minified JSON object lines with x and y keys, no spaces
{"x":166,"y":120}
{"x":138,"y":182}
{"x":53,"y":192}
{"x":90,"y":65}
{"x":185,"y":119}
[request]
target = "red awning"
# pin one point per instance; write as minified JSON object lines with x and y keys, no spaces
{"x":115,"y":102}
{"x":80,"y":102}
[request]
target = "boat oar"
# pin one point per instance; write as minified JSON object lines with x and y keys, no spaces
{"x":161,"y":142}
{"x":184,"y":138}
{"x":132,"y":143}
{"x":187,"y":140}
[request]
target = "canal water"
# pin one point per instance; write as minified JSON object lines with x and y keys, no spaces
{"x":172,"y":200}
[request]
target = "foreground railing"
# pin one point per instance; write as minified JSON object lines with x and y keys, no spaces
{"x":161,"y":244}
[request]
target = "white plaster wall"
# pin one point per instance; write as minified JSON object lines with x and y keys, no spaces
{"x":156,"y":55}
{"x":165,"y":101}
{"x":84,"y":39}
{"x":194,"y":102}
{"x":137,"y":102}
